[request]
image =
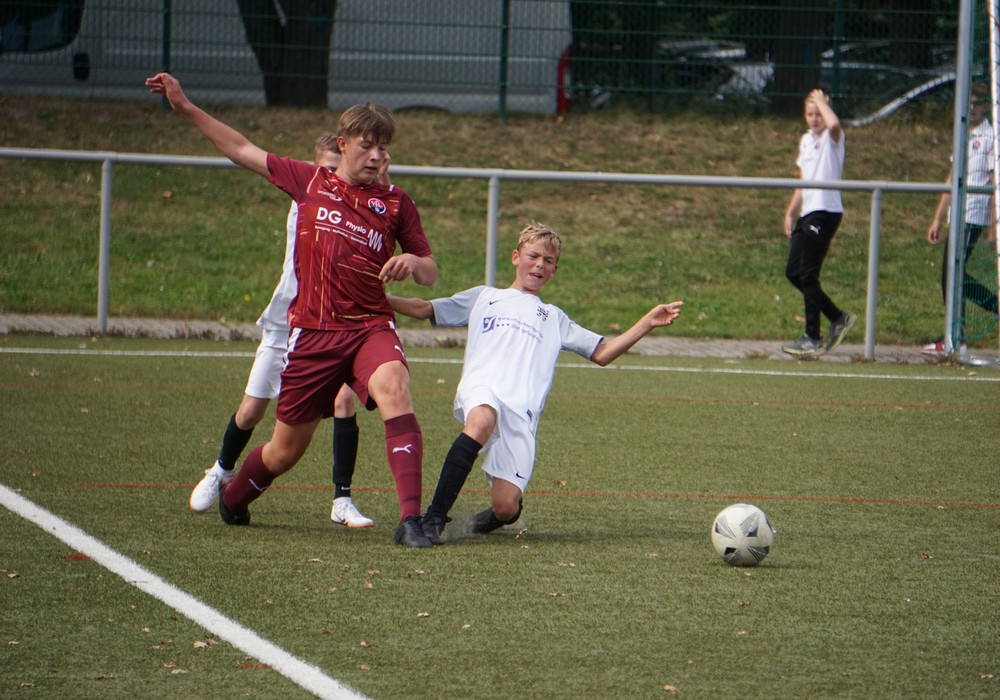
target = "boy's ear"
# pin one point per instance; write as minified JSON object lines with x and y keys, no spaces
{"x":514,"y":255}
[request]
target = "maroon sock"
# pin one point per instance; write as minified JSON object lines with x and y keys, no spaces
{"x":250,"y":482}
{"x":404,"y":446}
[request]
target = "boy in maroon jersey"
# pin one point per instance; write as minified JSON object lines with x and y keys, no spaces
{"x":342,"y":324}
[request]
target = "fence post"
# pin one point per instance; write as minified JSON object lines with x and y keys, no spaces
{"x":953,"y":296}
{"x":168,"y":10}
{"x":504,"y":57}
{"x":874,"y":243}
{"x":492,"y":214}
{"x":104,"y":256}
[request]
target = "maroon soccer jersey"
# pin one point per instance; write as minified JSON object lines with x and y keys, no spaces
{"x":345,"y":234}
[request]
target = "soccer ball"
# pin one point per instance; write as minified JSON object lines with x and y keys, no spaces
{"x":742,"y":535}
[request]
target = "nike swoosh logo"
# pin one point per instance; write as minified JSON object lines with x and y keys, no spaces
{"x":493,"y":302}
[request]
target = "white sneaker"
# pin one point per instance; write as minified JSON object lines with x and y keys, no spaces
{"x":207,"y":490}
{"x":344,"y":512}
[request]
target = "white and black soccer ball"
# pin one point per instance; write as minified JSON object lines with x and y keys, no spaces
{"x":742,"y":535}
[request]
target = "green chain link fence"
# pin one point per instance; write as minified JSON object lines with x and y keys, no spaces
{"x":492,"y":55}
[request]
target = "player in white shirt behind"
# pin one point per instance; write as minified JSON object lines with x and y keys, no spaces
{"x":979,"y":161}
{"x":513,"y":343}
{"x":264,"y":383}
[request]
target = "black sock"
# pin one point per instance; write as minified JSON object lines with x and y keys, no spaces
{"x":234,"y":441}
{"x":454,"y":472}
{"x":345,"y":454}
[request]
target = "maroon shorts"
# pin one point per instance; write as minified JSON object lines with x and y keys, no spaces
{"x":318,"y":363}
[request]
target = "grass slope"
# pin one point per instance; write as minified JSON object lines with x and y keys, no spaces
{"x":200,"y":243}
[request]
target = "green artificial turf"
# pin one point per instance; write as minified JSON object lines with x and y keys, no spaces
{"x":880,"y":481}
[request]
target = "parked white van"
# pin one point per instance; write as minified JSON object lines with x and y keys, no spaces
{"x":403,"y":53}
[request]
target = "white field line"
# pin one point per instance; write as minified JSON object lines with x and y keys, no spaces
{"x":296,"y":670}
{"x":973,"y":377}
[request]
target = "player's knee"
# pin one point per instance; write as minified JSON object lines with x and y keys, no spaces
{"x":390,"y":387}
{"x":507,"y":511}
{"x":479,"y":423}
{"x":279,"y":457}
{"x":250,"y":413}
{"x":343,"y":406}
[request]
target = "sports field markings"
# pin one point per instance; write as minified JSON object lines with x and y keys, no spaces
{"x":969,"y":377}
{"x":577,"y":493}
{"x":779,"y":373}
{"x":828,"y":403}
{"x":303,"y":674}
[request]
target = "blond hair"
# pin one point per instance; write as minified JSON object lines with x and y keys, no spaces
{"x":809,"y":99}
{"x":540,"y":233}
{"x":369,"y":120}
{"x":327,"y":143}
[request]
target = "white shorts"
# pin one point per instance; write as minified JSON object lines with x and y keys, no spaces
{"x":509,"y":453}
{"x":264,"y":381}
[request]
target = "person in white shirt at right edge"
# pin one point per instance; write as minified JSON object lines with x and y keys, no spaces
{"x":978,"y":213}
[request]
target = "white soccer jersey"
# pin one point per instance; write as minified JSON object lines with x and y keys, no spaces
{"x":275,"y":314}
{"x":979,"y":165}
{"x":513,"y":344}
{"x":821,"y":159}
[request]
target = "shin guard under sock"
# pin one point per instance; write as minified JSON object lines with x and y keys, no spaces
{"x":234,"y":441}
{"x":404,"y":448}
{"x":455,"y":470}
{"x":345,"y":454}
{"x":250,"y":482}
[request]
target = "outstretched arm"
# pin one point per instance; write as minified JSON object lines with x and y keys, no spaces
{"x":231,"y":143}
{"x":412,"y":306}
{"x":661,"y":315}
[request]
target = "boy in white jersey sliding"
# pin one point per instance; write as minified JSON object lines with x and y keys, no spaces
{"x":343,"y":329}
{"x":811,"y":219}
{"x":264,"y":383}
{"x":513,"y":343}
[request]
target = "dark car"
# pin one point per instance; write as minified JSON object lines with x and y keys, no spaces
{"x":862,"y":77}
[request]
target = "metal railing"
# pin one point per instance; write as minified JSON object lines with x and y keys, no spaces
{"x":493,"y":177}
